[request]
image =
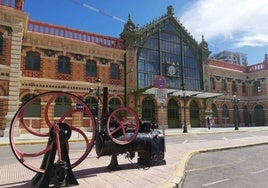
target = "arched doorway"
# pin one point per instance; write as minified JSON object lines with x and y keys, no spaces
{"x":259,"y":115}
{"x":173,"y":114}
{"x":246,"y":116}
{"x":148,"y":110}
{"x":194,"y":114}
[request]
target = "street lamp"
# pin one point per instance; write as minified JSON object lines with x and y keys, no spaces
{"x":185,"y":99}
{"x":98,"y":95}
{"x":235,"y":101}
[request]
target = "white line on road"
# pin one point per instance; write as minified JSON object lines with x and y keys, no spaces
{"x":260,"y":171}
{"x":215,"y":182}
{"x":185,"y":141}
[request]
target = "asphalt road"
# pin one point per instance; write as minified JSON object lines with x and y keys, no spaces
{"x":234,"y":168}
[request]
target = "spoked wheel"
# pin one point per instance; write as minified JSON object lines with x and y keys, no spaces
{"x":123,"y":125}
{"x":47,"y":112}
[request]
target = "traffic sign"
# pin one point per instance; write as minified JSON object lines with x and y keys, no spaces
{"x":160,"y":82}
{"x":161,"y":93}
{"x":79,"y":106}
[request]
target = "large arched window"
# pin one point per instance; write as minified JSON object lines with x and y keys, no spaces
{"x":167,"y":52}
{"x":259,"y":115}
{"x":34,"y":109}
{"x":91,"y":68}
{"x":148,"y":110}
{"x":32,"y":61}
{"x":194,"y":114}
{"x":173,"y":114}
{"x":64,"y":65}
{"x":247,"y":116}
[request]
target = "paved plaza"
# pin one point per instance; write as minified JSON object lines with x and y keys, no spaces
{"x":93,"y":171}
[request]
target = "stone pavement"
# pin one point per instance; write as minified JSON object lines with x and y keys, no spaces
{"x":92,"y":172}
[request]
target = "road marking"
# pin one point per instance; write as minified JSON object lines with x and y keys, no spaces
{"x":215,"y":182}
{"x":260,"y":171}
{"x":215,"y":166}
{"x":224,"y":138}
{"x":185,"y":141}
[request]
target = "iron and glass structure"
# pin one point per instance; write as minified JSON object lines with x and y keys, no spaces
{"x":164,"y":53}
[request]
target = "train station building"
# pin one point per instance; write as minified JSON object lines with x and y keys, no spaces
{"x":159,"y":70}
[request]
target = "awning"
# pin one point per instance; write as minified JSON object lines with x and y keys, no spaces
{"x":179,"y":92}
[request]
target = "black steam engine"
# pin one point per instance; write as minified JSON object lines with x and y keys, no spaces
{"x":118,"y":132}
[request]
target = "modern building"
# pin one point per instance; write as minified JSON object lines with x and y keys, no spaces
{"x":231,"y":57}
{"x":159,"y":70}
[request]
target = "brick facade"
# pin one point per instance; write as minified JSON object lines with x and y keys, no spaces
{"x":22,"y":35}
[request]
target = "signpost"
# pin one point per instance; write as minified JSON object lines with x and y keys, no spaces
{"x":160,"y":83}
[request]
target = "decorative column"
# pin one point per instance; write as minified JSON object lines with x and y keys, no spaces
{"x":129,"y":35}
{"x":15,"y":74}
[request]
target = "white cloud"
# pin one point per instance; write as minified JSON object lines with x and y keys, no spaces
{"x":241,"y":22}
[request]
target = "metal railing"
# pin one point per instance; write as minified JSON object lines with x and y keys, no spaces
{"x":65,"y":32}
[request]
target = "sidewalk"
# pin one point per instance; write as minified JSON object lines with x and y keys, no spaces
{"x":92,"y":172}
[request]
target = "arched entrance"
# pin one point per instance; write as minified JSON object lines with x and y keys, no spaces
{"x":148,"y":110}
{"x":194,"y":114}
{"x":259,"y":115}
{"x":173,"y":114}
{"x":246,"y":116}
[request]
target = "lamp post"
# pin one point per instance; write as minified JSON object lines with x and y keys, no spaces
{"x":235,"y":101}
{"x":98,"y":95}
{"x":184,"y":98}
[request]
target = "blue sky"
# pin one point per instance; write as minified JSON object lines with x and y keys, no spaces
{"x":234,"y":25}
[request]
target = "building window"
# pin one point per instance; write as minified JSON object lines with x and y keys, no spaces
{"x":257,"y":87}
{"x":244,"y":89}
{"x":34,"y":109}
{"x":225,"y":113}
{"x":32,"y":61}
{"x":91,"y":68}
{"x":234,"y":87}
{"x":1,"y":43}
{"x":212,"y":83}
{"x":64,"y":65}
{"x":62,"y":105}
{"x":114,"y":71}
{"x":223,"y":85}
